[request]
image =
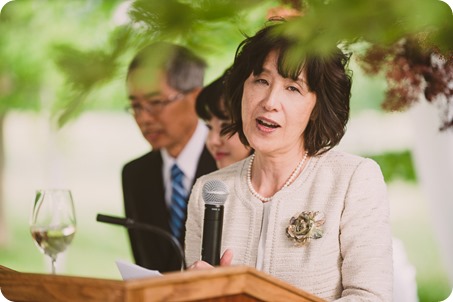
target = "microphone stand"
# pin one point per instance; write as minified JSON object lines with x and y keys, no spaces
{"x":132,"y":224}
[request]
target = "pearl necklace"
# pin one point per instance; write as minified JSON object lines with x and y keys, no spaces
{"x":287,"y":183}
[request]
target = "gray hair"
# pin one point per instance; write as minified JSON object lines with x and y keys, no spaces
{"x":184,"y":70}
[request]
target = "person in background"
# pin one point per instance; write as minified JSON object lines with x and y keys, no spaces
{"x":163,"y":82}
{"x":210,"y":107}
{"x":298,"y":209}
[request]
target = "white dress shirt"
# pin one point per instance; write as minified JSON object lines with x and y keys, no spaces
{"x":187,"y":160}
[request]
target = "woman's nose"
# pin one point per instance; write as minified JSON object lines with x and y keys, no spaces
{"x":271,"y":100}
{"x":216,"y":138}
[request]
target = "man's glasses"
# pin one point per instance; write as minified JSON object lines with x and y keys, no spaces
{"x":153,"y":106}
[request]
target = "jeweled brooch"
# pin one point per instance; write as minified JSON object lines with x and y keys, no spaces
{"x":305,"y":226}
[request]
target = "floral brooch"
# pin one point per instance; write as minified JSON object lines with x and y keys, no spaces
{"x":305,"y":226}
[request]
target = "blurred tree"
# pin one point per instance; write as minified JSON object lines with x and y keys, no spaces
{"x":399,"y":37}
{"x":15,"y":70}
{"x":396,"y":165}
{"x":28,"y":77}
{"x":61,"y":58}
{"x":213,"y":29}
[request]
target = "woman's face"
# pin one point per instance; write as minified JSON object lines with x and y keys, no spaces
{"x":225,"y":151}
{"x":276,"y":110}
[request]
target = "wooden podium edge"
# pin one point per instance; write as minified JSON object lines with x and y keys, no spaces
{"x":219,"y":282}
{"x":211,"y":284}
{"x":18,"y":286}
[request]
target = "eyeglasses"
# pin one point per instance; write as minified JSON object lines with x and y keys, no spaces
{"x":153,"y":106}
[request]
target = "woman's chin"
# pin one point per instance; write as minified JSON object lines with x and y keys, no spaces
{"x":224,"y":162}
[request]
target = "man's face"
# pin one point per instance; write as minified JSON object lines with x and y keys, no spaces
{"x":165,"y":116}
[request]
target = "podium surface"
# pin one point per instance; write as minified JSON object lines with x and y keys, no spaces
{"x":238,"y":283}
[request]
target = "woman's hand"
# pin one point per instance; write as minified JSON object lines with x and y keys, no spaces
{"x":225,"y":260}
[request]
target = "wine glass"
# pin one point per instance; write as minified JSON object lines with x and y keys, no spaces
{"x":53,"y":222}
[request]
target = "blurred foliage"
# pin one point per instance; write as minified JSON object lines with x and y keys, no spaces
{"x":204,"y":25}
{"x":32,"y":33}
{"x":367,"y":91}
{"x":210,"y":28}
{"x":19,"y":83}
{"x":91,"y":51}
{"x":396,"y":166}
{"x":86,"y":71}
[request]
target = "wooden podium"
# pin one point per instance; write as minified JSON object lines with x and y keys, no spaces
{"x":219,"y":284}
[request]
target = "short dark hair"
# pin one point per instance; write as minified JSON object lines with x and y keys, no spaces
{"x":327,"y":76}
{"x":210,"y":101}
{"x":184,"y":70}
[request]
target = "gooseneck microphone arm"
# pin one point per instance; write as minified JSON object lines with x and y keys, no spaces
{"x":132,"y":224}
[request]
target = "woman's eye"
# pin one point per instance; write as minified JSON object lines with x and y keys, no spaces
{"x":294,"y":89}
{"x":209,"y":126}
{"x":261,"y":81}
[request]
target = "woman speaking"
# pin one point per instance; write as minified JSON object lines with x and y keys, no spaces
{"x":299,"y":210}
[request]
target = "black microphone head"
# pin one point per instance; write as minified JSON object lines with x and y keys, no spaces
{"x":215,"y":192}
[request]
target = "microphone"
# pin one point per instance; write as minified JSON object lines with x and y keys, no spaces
{"x":132,"y":224}
{"x":214,"y":194}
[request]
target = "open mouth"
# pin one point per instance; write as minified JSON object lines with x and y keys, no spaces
{"x":267,"y":124}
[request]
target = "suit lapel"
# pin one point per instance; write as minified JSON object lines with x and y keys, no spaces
{"x":152,"y":192}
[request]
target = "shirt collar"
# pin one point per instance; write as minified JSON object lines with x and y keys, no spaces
{"x":188,"y":159}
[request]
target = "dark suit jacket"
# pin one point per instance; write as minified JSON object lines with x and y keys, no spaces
{"x":144,"y":201}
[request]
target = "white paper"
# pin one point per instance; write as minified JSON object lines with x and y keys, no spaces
{"x":132,"y":271}
{"x":2,"y":298}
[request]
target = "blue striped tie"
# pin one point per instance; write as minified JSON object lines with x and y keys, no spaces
{"x":178,"y":202}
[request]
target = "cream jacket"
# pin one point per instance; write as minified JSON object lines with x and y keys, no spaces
{"x":353,"y":259}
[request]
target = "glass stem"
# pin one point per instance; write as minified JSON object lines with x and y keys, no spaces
{"x":54,"y":259}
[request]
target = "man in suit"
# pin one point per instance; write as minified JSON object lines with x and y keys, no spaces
{"x":163,"y":81}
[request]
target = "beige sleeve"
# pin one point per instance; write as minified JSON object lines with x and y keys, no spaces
{"x":365,"y":237}
{"x":194,"y":224}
